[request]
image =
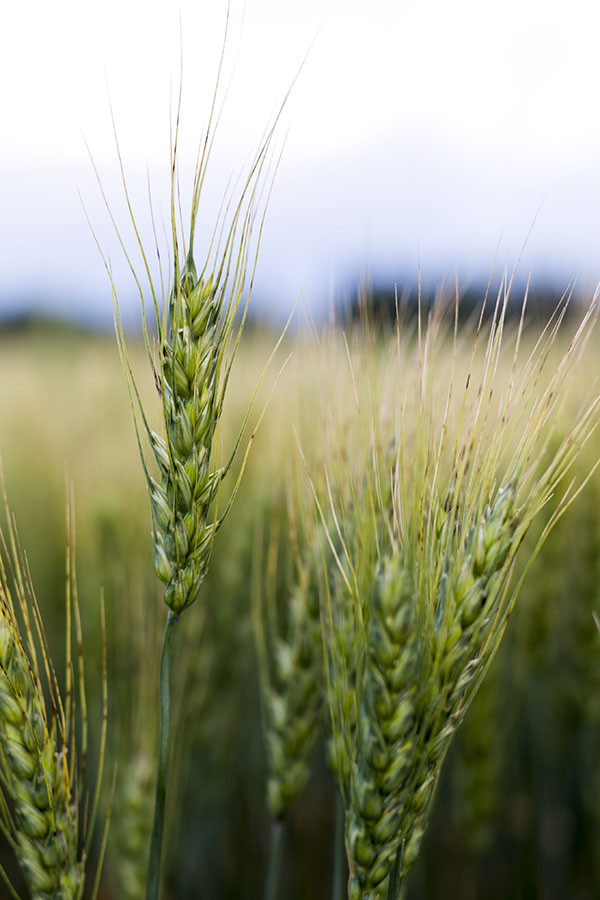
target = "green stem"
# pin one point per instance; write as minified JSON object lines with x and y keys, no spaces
{"x":395,"y":877}
{"x":275,"y":854}
{"x":156,"y":842}
{"x":339,"y":856}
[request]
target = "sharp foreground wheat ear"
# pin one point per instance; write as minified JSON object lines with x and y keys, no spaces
{"x":426,"y":546}
{"x":197,"y":341}
{"x":41,"y":780}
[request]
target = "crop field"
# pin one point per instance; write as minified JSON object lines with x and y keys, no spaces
{"x":417,"y":526}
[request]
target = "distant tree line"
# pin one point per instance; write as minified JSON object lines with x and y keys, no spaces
{"x":382,"y":305}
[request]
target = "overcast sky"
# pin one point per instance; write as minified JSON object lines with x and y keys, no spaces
{"x":418,"y":133}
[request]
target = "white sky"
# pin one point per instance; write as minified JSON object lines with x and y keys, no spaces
{"x":417,"y":129}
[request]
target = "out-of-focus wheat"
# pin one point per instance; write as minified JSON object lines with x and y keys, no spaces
{"x":426,"y":545}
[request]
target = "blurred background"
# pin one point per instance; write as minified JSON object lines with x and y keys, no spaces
{"x":421,"y":135}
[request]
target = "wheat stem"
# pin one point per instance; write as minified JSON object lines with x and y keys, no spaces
{"x":275,"y":855}
{"x":166,"y":662}
{"x":339,"y":857}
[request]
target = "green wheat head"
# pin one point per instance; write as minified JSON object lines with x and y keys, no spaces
{"x":425,"y":544}
{"x":286,"y":622}
{"x":200,"y":311}
{"x":42,"y":770}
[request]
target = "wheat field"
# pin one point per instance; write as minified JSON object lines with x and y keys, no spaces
{"x":519,"y":792}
